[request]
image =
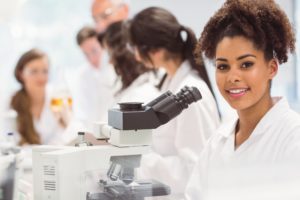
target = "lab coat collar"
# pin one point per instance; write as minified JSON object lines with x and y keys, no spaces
{"x":227,"y":128}
{"x":171,"y":83}
{"x":143,"y":78}
{"x":146,"y":77}
{"x":272,"y":116}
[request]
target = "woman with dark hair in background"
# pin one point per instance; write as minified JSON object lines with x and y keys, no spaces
{"x":36,"y":123}
{"x":160,"y":41}
{"x":134,"y":77}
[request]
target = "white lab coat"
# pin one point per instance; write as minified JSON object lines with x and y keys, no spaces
{"x":94,"y":93}
{"x":275,"y":139}
{"x":47,"y":126}
{"x":177,"y":144}
{"x":142,"y":89}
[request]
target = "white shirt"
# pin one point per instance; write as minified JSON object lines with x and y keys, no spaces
{"x":275,"y":139}
{"x":94,"y":93}
{"x":142,"y":89}
{"x":177,"y":144}
{"x":47,"y":126}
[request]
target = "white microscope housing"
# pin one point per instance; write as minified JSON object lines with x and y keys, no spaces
{"x":66,"y":173}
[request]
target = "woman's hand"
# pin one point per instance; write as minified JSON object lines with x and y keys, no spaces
{"x":63,"y":115}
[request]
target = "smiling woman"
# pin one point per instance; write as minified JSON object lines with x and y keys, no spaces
{"x":243,"y":75}
{"x":247,"y":47}
{"x":248,"y":39}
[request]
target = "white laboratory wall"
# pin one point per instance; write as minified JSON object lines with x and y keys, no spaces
{"x":52,"y":26}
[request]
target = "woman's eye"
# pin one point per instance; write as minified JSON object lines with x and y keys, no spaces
{"x":247,"y":64}
{"x":222,"y":66}
{"x":33,"y":72}
{"x":45,"y":71}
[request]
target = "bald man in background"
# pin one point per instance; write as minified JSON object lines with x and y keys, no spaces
{"x":106,"y":12}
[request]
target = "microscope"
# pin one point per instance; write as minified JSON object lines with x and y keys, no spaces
{"x":131,"y":125}
{"x":61,"y":174}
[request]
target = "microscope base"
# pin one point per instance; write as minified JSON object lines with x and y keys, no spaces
{"x":142,"y":189}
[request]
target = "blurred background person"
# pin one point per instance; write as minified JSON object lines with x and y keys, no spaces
{"x":134,"y":77}
{"x":93,"y":106}
{"x":105,"y":12}
{"x":160,"y":41}
{"x":36,"y":122}
{"x":94,"y":90}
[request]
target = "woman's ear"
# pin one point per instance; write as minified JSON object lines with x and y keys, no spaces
{"x":158,"y":55}
{"x":273,"y":68}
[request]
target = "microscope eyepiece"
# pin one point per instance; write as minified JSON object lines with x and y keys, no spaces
{"x":188,"y":95}
{"x":172,"y":105}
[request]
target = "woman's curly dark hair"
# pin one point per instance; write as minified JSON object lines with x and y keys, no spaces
{"x":261,"y":21}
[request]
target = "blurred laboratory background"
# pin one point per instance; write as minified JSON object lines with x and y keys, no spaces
{"x":52,"y":26}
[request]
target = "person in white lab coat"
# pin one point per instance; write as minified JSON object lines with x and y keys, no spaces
{"x":160,"y":41}
{"x":95,"y":84}
{"x":137,"y":81}
{"x":247,"y":41}
{"x":36,"y":122}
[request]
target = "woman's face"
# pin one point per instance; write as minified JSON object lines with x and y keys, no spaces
{"x":242,"y":73}
{"x":92,"y":51}
{"x":35,"y":74}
